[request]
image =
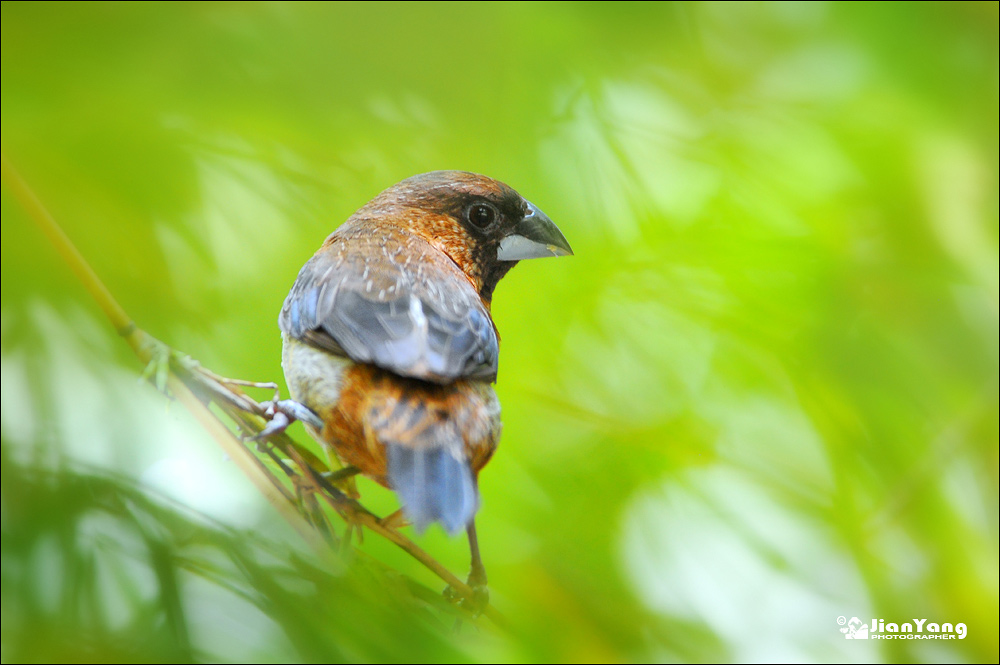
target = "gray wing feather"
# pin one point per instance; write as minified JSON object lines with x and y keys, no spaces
{"x":358,"y":300}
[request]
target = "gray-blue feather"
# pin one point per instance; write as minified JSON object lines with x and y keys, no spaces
{"x":382,"y":312}
{"x":433,"y":486}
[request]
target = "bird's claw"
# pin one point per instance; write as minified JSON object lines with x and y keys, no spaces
{"x":283,"y":413}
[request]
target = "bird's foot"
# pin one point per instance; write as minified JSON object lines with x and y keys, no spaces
{"x":283,"y":413}
{"x":480,"y":591}
{"x":480,"y":598}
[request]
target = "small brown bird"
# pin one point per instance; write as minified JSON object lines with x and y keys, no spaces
{"x":389,"y":341}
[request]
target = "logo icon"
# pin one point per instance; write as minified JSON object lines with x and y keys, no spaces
{"x":855,"y":628}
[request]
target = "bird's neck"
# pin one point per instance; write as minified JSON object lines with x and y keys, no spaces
{"x":491,"y":276}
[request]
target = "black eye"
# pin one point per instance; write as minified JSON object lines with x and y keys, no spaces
{"x":482,"y":215}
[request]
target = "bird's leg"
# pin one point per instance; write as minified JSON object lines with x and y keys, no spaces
{"x":477,"y":575}
{"x":285,"y":412}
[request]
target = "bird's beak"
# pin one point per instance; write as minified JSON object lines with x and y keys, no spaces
{"x":534,"y":236}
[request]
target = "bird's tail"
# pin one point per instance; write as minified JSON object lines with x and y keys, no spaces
{"x":430,"y":435}
{"x":434,"y":485}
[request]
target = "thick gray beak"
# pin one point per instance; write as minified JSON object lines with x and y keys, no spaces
{"x":534,"y":236}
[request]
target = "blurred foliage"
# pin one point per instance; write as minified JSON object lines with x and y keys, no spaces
{"x":762,"y":395}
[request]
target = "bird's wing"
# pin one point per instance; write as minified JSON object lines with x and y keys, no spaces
{"x":391,"y":299}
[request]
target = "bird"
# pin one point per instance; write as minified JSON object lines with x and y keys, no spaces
{"x":389,"y":344}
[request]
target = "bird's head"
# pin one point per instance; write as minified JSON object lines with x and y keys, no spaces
{"x":482,"y":224}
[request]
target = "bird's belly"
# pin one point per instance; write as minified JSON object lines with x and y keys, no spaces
{"x":314,"y":377}
{"x":365,"y":409}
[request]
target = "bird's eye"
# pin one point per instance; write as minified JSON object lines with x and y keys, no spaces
{"x":482,"y":215}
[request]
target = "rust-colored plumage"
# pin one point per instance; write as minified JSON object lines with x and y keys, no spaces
{"x":389,"y":340}
{"x":378,"y":408}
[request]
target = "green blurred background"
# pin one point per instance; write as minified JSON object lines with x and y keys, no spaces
{"x":762,"y":395}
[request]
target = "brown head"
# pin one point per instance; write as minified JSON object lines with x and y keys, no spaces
{"x":483,"y":225}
